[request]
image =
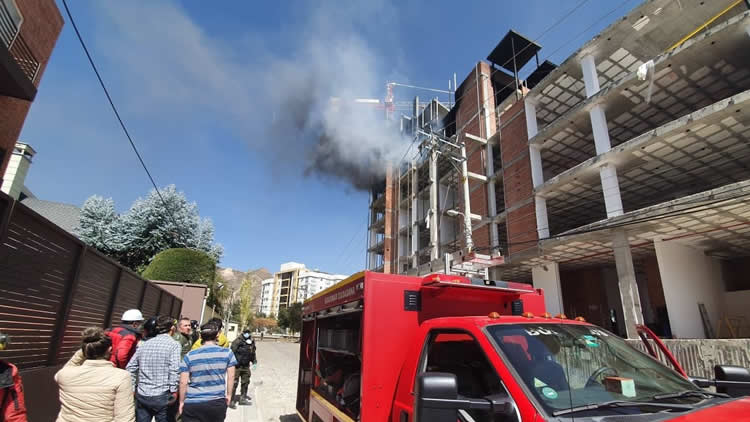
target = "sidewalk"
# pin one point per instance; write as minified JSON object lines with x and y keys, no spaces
{"x":248,"y":413}
{"x":273,"y":386}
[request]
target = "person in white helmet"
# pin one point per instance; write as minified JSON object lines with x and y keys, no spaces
{"x":125,"y":337}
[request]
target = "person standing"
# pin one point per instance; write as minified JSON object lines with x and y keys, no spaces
{"x":91,"y":388}
{"x":243,"y":348}
{"x":125,"y":338}
{"x":12,"y":404}
{"x":184,"y":336}
{"x":221,"y":340}
{"x":206,"y":379}
{"x":154,"y":370}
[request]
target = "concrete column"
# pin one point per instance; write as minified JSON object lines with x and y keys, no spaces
{"x":608,"y":172}
{"x":611,"y":190}
{"x":529,"y":106}
{"x":491,"y":198}
{"x":631,"y":301}
{"x":414,"y":223}
{"x":689,"y":277}
{"x":547,"y":277}
{"x":469,"y":242}
{"x":537,"y":173}
{"x":542,"y":224}
{"x":600,"y":129}
{"x":489,"y":165}
{"x":590,"y":77}
{"x":433,"y":215}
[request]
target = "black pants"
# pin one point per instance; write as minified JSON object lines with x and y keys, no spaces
{"x":206,"y":411}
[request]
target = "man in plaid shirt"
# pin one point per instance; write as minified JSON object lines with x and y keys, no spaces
{"x":155,"y":372}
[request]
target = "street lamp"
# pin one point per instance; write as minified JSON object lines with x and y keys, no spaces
{"x":467,"y":227}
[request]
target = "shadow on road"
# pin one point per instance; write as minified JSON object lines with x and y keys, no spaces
{"x":290,"y":418}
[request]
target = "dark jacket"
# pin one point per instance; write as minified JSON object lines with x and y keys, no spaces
{"x":124,"y":341}
{"x":12,"y":405}
{"x":243,"y":352}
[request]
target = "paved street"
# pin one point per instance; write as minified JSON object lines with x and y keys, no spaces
{"x":273,"y":385}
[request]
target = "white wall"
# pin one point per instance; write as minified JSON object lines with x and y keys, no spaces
{"x":688,"y":277}
{"x":549,"y":280}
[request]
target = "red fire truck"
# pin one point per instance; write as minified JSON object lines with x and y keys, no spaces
{"x":380,"y":347}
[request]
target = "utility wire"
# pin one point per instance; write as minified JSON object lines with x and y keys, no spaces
{"x":117,"y":114}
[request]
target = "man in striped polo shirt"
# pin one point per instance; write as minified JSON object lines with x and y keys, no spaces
{"x":206,"y":379}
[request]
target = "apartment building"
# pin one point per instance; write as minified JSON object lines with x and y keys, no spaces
{"x":293,"y":283}
{"x":28,"y":33}
{"x":616,"y":181}
{"x":266,"y":297}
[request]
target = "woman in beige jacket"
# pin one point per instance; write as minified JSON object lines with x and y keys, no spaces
{"x":91,"y":388}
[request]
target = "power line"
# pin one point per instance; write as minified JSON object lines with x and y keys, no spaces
{"x":117,"y":114}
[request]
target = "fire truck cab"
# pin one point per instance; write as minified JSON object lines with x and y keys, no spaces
{"x":380,"y":347}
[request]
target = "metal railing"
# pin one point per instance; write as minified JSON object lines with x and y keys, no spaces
{"x":10,"y":36}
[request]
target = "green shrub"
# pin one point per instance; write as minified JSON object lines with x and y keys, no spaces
{"x":180,"y":264}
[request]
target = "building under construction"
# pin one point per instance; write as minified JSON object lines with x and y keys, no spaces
{"x":617,"y":181}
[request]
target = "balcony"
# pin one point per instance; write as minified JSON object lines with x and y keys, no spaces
{"x":18,"y":66}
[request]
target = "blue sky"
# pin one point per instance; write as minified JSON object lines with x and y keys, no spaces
{"x":196,"y":84}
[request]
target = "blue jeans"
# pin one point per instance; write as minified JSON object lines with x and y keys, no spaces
{"x":147,"y":407}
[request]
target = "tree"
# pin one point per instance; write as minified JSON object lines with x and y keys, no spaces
{"x":97,"y":224}
{"x":151,"y":225}
{"x":247,"y":300}
{"x":182,"y":264}
{"x":264,"y":323}
{"x":291,"y":317}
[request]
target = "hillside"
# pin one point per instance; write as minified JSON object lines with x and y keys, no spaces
{"x":234,"y":279}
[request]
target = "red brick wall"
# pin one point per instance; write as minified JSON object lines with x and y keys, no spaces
{"x":41,"y":26}
{"x":519,"y":189}
{"x":472,"y":100}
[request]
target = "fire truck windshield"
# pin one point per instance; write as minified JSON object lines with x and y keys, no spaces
{"x":567,"y":367}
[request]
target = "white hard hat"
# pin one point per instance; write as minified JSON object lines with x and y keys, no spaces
{"x":132,"y":315}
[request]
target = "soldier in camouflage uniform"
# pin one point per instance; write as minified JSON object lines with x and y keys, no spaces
{"x":184,"y":336}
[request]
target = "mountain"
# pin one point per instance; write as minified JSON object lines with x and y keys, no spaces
{"x":234,"y":278}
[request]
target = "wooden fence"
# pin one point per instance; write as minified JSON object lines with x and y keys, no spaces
{"x":52,"y":286}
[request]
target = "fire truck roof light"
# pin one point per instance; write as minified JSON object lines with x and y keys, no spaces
{"x":580,"y":318}
{"x":546,"y":315}
{"x":528,"y":315}
{"x":493,"y":315}
{"x":507,"y":286}
{"x":561,"y":316}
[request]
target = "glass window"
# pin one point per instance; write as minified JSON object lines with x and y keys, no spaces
{"x":459,"y":353}
{"x":566,"y":365}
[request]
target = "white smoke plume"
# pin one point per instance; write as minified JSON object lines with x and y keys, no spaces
{"x":295,"y":105}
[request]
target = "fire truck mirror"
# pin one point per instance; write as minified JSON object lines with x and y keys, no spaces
{"x":732,"y":380}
